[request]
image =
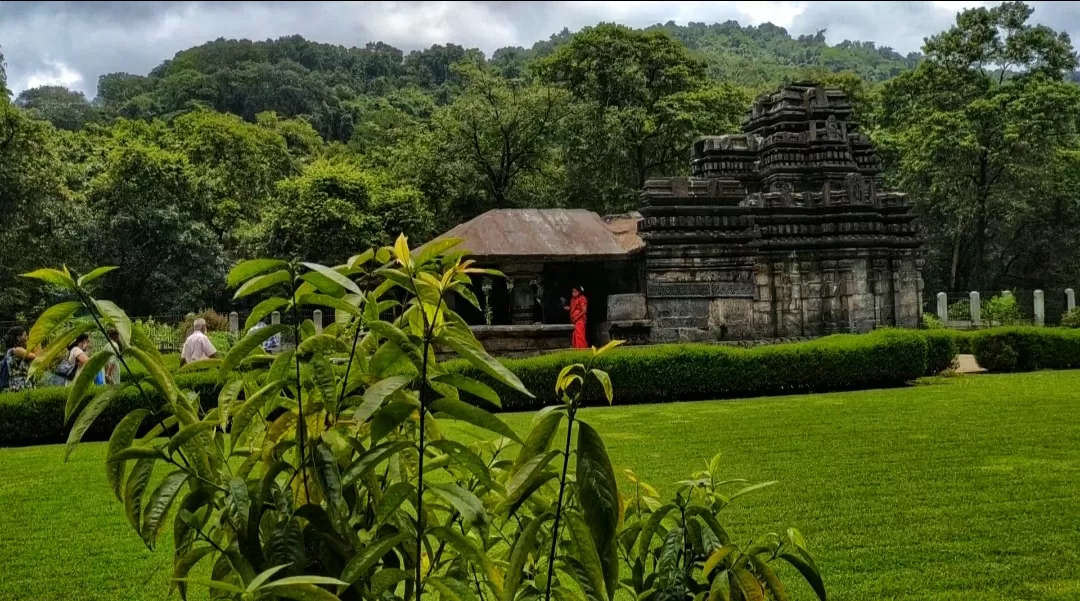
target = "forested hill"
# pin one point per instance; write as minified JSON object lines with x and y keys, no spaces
{"x":333,"y":86}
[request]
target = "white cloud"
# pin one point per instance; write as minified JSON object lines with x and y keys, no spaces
{"x":57,"y":74}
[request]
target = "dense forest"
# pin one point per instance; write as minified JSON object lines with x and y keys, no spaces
{"x":291,"y":147}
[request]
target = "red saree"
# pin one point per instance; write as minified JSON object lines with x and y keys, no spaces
{"x":578,"y":309}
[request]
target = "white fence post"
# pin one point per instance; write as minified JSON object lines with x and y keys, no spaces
{"x":943,"y":307}
{"x":316,"y":316}
{"x":976,"y":309}
{"x":234,"y":323}
{"x":1040,"y":309}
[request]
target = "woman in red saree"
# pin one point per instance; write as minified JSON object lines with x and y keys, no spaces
{"x":579,"y":308}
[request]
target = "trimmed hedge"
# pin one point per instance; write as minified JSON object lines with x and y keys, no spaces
{"x":687,"y":372}
{"x":674,"y":372}
{"x":1026,"y":348}
{"x":34,"y":417}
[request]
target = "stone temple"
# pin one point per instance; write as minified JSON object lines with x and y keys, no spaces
{"x":781,"y":231}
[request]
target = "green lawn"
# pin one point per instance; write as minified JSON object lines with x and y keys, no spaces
{"x":966,"y":489}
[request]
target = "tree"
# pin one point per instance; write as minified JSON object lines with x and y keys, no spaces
{"x":972,"y":134}
{"x":335,"y":207}
{"x":644,"y":98}
{"x":4,"y":92}
{"x":493,"y":138}
{"x":64,"y":108}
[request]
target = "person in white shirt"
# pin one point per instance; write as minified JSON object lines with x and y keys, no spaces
{"x":197,"y":346}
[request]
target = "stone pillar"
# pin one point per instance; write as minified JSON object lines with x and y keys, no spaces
{"x":234,"y":323}
{"x":275,"y":318}
{"x":943,"y":307}
{"x":864,"y":312}
{"x":1040,"y":309}
{"x":1070,"y":300}
{"x":316,"y":317}
{"x":812,"y":305}
{"x":1006,"y":294}
{"x":976,"y":309}
{"x":485,"y":285}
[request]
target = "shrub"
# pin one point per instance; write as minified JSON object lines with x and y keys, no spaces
{"x":1027,"y":348}
{"x":963,"y":340}
{"x":35,"y":417}
{"x":1000,"y":311}
{"x":215,"y":322}
{"x":960,"y":310}
{"x":162,"y":335}
{"x":941,"y":350}
{"x":931,"y":322}
{"x":1071,"y":319}
{"x":683,"y":372}
{"x":222,"y":341}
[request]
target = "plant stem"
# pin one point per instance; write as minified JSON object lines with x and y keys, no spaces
{"x":301,"y":423}
{"x":559,"y":503}
{"x":348,"y":366}
{"x":420,"y":469}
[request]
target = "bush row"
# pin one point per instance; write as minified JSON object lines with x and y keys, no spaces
{"x":655,"y":374}
{"x":36,"y":416}
{"x":640,"y":375}
{"x":1026,"y":348}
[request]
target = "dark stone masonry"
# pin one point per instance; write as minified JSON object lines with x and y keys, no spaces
{"x":781,"y":231}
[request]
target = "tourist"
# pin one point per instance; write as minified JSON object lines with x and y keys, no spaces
{"x":112,"y":368}
{"x":197,"y":346}
{"x":16,"y":361}
{"x":578,"y":308}
{"x":77,"y":357}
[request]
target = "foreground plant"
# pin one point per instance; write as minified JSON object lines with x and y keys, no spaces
{"x":349,"y":466}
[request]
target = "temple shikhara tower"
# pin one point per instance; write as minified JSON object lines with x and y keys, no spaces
{"x":783,"y":230}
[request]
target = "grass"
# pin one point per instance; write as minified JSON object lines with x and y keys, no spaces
{"x":965,"y":489}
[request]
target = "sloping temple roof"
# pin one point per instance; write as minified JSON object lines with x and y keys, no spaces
{"x":547,"y":235}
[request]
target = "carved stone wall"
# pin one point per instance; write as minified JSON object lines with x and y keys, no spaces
{"x":784,"y":230}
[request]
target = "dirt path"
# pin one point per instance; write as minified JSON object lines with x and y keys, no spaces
{"x":966,"y":364}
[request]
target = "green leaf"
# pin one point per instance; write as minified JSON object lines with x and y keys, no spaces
{"x":335,"y":277}
{"x":748,"y":586}
{"x":651,"y":527}
{"x":247,"y":344}
{"x":370,"y":555}
{"x":485,"y":363}
{"x":475,"y":416}
{"x":264,"y":308}
{"x":249,"y":269}
{"x":83,"y":380}
{"x":533,"y":483}
{"x":721,"y":588}
{"x":710,"y":520}
{"x":136,"y":486}
{"x":471,"y":386}
{"x":263,"y":282}
{"x":188,"y":432}
{"x":330,"y":481}
{"x":57,"y":349}
{"x":137,"y":453}
{"x":808,"y":571}
{"x":122,"y":437}
{"x":325,"y":380}
{"x":389,"y":417}
{"x":465,"y":547}
{"x":301,"y":592}
{"x":471,"y":509}
{"x":160,"y":501}
{"x":394,"y":495}
{"x":587,"y":555}
{"x":116,"y":317}
{"x":518,"y":486}
{"x":450,"y":589}
{"x":95,"y":274}
{"x":238,"y":501}
{"x":716,"y":557}
{"x":519,"y":554}
{"x":598,"y":495}
{"x":182,"y":564}
{"x":251,"y":406}
{"x":52,"y":318}
{"x":538,"y":440}
{"x":291,"y":580}
{"x":395,"y":335}
{"x":200,"y":365}
{"x":87,"y":417}
{"x":605,"y":381}
{"x":776,"y":588}
{"x":323,"y":300}
{"x":387,"y":579}
{"x":750,"y":489}
{"x":464,"y":457}
{"x":159,"y":376}
{"x":371,"y":458}
{"x":361,"y":259}
{"x":377,"y":393}
{"x":263,"y":577}
{"x":435,"y":248}
{"x":52,"y":276}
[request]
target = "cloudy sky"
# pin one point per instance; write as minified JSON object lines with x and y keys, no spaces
{"x":72,"y":43}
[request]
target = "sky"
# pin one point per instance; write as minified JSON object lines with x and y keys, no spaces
{"x":72,"y":43}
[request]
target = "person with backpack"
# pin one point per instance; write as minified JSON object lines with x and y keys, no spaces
{"x":16,"y":362}
{"x":77,"y":356}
